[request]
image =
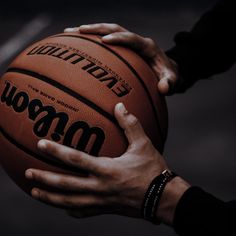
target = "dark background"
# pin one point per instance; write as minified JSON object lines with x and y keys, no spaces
{"x":201,"y":143}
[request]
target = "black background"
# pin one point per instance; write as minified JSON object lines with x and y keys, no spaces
{"x":201,"y":142}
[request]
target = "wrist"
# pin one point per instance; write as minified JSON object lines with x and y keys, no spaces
{"x":170,"y":197}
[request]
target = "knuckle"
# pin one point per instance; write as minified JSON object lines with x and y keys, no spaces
{"x":91,"y":201}
{"x":102,"y":25}
{"x":39,"y":177}
{"x":133,"y":121}
{"x":110,"y":190}
{"x":107,"y":171}
{"x":99,"y":186}
{"x":103,"y":188}
{"x":114,"y":173}
{"x":143,"y":144}
{"x":120,"y":36}
{"x":55,"y":150}
{"x":108,"y":26}
{"x":115,"y":26}
{"x":150,"y":42}
{"x":132,"y":36}
{"x":49,"y":147}
{"x":102,"y":167}
{"x":73,"y":159}
{"x":62,"y":183}
{"x":110,"y":181}
{"x":66,"y":201}
{"x":43,"y":196}
{"x":150,"y":47}
{"x":100,"y":201}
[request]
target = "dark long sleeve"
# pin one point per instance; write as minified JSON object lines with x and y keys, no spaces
{"x":200,"y":214}
{"x":209,"y":48}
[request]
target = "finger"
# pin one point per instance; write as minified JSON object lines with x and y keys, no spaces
{"x":71,"y":30}
{"x":101,"y":28}
{"x":65,"y":200}
{"x":132,"y":127}
{"x":65,"y":182}
{"x":143,"y":46}
{"x":163,"y":86}
{"x":70,"y":156}
{"x":166,"y":85}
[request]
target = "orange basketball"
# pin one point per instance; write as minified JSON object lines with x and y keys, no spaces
{"x":64,"y":88}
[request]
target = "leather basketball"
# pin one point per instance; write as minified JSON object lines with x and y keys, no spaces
{"x":64,"y":88}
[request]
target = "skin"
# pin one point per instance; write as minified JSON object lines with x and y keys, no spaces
{"x":113,"y":185}
{"x":165,"y":68}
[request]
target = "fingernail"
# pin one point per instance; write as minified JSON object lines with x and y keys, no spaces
{"x":84,"y":27}
{"x":35,"y":193}
{"x":163,"y":86}
{"x":29,"y":174}
{"x":122,"y":108}
{"x":108,"y":37}
{"x":42,"y":144}
{"x":71,"y":30}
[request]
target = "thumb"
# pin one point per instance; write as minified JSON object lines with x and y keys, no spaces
{"x":131,"y":125}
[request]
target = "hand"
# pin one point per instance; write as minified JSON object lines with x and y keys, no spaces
{"x":165,"y":68}
{"x":113,"y":185}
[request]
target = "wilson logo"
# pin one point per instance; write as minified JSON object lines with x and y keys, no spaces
{"x":46,"y":117}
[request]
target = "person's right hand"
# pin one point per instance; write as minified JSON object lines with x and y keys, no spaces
{"x":165,"y":68}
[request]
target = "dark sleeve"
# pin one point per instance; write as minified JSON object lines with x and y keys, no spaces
{"x":209,"y":48}
{"x":199,"y":213}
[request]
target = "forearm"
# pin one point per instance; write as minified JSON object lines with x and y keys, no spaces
{"x":172,"y":193}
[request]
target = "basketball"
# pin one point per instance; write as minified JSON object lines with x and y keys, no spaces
{"x":64,"y":88}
